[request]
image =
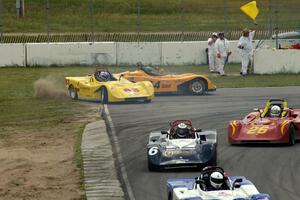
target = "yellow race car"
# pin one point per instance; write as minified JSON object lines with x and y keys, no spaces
{"x":105,"y":87}
{"x":190,"y":83}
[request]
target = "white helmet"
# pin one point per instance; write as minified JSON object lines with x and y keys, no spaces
{"x":216,"y":180}
{"x":275,"y":111}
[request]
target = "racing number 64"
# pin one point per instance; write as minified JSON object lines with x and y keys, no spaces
{"x":258,"y":130}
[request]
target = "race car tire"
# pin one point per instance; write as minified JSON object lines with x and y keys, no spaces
{"x":73,"y":93}
{"x":292,"y":133}
{"x":103,"y":95}
{"x":153,"y":168}
{"x":197,"y":87}
{"x":170,"y":195}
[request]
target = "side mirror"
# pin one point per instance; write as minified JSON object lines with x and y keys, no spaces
{"x":164,"y":132}
{"x":237,"y":183}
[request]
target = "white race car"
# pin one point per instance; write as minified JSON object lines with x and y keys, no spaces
{"x":234,"y":188}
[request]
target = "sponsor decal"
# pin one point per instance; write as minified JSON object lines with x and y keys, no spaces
{"x":131,"y":90}
{"x":283,"y":125}
{"x":233,"y":127}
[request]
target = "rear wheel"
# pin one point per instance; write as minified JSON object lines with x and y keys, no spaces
{"x":197,"y":87}
{"x":73,"y":93}
{"x":292,"y":133}
{"x":103,"y":95}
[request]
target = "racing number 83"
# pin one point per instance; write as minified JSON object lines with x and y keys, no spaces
{"x":258,"y":130}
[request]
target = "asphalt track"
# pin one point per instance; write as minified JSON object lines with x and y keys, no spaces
{"x":274,"y":169}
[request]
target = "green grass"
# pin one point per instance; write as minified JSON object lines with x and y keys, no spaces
{"x":156,"y":15}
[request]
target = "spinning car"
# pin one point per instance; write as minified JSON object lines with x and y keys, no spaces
{"x":105,"y":87}
{"x":213,"y":184}
{"x":181,"y":146}
{"x":276,"y":123}
{"x":183,"y":83}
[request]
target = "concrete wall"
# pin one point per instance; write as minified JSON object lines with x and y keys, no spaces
{"x":268,"y":61}
{"x":129,"y":53}
{"x":12,"y":55}
{"x":46,"y":54}
{"x":122,"y":53}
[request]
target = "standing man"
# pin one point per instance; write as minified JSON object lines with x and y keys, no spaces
{"x":212,"y":53}
{"x":223,"y":52}
{"x":246,"y":48}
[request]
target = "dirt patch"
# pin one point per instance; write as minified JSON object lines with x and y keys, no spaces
{"x":40,"y":164}
{"x":50,"y":86}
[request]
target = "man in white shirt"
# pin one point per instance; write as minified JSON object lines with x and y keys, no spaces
{"x":212,"y":54}
{"x":246,"y":49}
{"x":223,"y":52}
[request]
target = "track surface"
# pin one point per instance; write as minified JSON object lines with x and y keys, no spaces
{"x":274,"y":169}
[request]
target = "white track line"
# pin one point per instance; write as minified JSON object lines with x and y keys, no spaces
{"x":118,"y":152}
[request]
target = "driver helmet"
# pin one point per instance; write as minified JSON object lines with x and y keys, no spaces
{"x":103,"y":76}
{"x":275,"y":111}
{"x":216,"y":180}
{"x":182,"y":130}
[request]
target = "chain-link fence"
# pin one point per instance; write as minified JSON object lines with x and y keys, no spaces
{"x":139,"y":20}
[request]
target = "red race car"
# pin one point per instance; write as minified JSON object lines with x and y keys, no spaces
{"x":276,"y":123}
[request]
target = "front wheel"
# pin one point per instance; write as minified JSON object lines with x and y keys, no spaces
{"x":73,"y":93}
{"x":103,"y":95}
{"x":197,"y":87}
{"x":170,"y":196}
{"x":292,"y":133}
{"x":147,"y":101}
{"x":153,"y":168}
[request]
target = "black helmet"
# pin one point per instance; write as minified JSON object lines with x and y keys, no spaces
{"x":182,"y":130}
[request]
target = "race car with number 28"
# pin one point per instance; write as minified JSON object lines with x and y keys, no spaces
{"x":207,"y":187}
{"x":276,"y":123}
{"x":188,"y":83}
{"x":181,"y":146}
{"x":105,"y":87}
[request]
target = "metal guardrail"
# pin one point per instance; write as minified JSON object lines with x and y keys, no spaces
{"x":122,"y":37}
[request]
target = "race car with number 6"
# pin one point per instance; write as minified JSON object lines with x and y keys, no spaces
{"x":276,"y":123}
{"x":187,"y":83}
{"x":181,"y":146}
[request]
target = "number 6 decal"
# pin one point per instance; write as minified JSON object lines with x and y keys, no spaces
{"x":153,"y":151}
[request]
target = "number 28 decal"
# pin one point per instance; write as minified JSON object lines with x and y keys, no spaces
{"x":258,"y":130}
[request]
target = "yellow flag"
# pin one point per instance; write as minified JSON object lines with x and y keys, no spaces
{"x":250,"y":9}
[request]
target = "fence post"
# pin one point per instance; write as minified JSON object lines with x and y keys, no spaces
{"x":138,"y":18}
{"x":47,"y":20}
{"x":1,"y":21}
{"x":225,"y":17}
{"x":277,"y":22}
{"x":20,"y":4}
{"x":182,"y":19}
{"x":270,"y":18}
{"x":92,"y":23}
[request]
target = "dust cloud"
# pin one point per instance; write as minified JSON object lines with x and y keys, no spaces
{"x":50,"y":87}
